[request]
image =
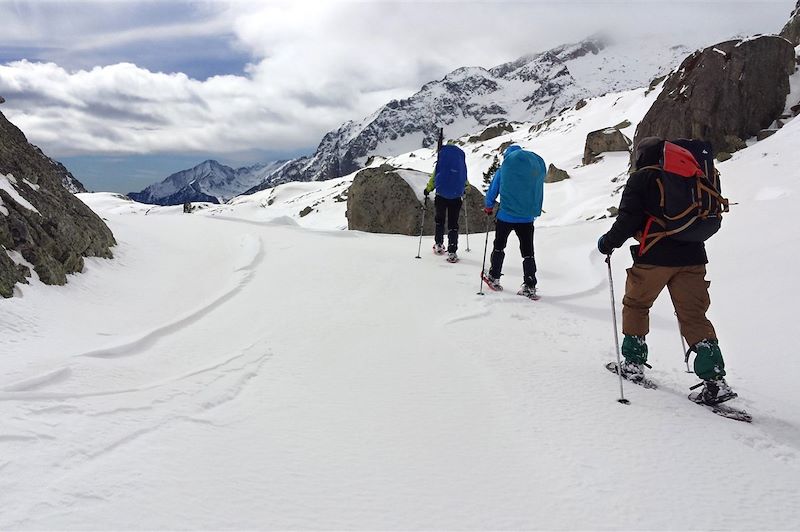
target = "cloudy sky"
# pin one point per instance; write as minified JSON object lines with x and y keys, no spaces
{"x":126,"y":92}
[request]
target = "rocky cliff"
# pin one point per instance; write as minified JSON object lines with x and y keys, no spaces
{"x":42,"y":225}
{"x":724,"y":94}
{"x":792,"y":29}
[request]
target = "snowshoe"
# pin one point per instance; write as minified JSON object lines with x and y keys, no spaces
{"x":711,"y":397}
{"x":713,"y":393}
{"x":452,"y":258}
{"x":439,"y":249}
{"x":491,"y":282}
{"x":632,"y":373}
{"x":529,"y":292}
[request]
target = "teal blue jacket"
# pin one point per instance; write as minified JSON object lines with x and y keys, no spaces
{"x":520,"y":183}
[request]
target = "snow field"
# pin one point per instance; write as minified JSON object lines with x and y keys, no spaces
{"x":346,"y":385}
{"x":230,"y":369}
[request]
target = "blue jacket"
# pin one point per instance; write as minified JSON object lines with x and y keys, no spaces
{"x":450,"y":176}
{"x":520,"y":183}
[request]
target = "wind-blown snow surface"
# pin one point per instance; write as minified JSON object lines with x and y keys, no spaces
{"x":241,"y":374}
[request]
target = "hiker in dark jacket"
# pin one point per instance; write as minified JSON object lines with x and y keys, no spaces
{"x":449,"y":179}
{"x":679,"y":266}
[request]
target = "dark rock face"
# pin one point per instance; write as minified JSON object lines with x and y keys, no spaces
{"x":602,"y":141}
{"x":40,"y":220}
{"x":492,"y":132}
{"x":724,"y":93}
{"x":765,"y":134}
{"x":792,"y":29}
{"x":380,"y":201}
{"x":555,"y":174}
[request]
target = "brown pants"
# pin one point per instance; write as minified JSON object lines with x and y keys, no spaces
{"x":688,"y":289}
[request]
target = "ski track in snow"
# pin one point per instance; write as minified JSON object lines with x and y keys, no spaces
{"x":147,"y":340}
{"x":96,"y":430}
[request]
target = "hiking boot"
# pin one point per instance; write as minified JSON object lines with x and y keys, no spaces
{"x":491,"y":282}
{"x":452,"y":257}
{"x":715,"y":392}
{"x":528,"y":291}
{"x":439,"y":249}
{"x":632,"y":371}
{"x":634,"y":349}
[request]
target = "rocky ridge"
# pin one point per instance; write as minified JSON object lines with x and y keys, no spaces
{"x":43,"y":227}
{"x":473,"y":98}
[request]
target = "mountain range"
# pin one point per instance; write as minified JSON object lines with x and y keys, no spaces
{"x":209,"y":181}
{"x":466,"y":100}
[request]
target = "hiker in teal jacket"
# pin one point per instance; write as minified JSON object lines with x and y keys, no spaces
{"x":520,"y":184}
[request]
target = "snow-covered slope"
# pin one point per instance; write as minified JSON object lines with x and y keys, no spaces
{"x":468,"y":99}
{"x":231,"y":370}
{"x":208,"y":181}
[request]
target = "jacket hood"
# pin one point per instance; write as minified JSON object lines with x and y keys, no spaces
{"x":511,"y":149}
{"x":648,"y":152}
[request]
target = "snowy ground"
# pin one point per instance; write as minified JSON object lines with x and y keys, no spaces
{"x":240,"y":374}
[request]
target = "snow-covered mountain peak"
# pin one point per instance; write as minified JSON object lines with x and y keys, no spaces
{"x":209,"y":181}
{"x":468,"y":99}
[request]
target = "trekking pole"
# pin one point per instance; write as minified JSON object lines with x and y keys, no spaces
{"x":485,"y":247}
{"x":686,"y":350}
{"x":422,"y":229}
{"x":616,"y":334}
{"x":466,"y":218}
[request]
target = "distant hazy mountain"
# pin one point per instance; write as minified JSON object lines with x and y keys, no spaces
{"x":208,"y":181}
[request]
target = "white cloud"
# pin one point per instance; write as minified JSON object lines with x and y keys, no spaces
{"x":315,"y":63}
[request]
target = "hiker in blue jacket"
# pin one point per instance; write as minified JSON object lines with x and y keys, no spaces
{"x":520,"y":183}
{"x":449,"y":179}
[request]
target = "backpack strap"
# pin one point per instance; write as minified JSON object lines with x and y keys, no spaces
{"x":644,"y":246}
{"x":716,"y":195}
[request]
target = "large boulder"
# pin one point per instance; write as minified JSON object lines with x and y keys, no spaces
{"x":792,"y":29}
{"x":725,"y":93}
{"x":387,"y":200}
{"x":41,"y":223}
{"x":555,"y":174}
{"x":602,"y":141}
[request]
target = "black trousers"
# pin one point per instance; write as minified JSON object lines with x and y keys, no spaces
{"x":447,"y":209}
{"x":524,"y":233}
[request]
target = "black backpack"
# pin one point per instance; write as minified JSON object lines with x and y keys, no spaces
{"x":691,"y":203}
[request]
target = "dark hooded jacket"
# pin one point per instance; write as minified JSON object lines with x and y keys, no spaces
{"x":640,"y":196}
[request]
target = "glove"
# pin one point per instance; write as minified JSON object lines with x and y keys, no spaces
{"x":488,"y":210}
{"x":603,"y":247}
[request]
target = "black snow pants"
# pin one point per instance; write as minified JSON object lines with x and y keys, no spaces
{"x":449,"y":209}
{"x":524,"y":233}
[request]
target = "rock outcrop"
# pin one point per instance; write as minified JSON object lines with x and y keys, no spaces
{"x":555,"y":174}
{"x":723,"y":94}
{"x":42,"y":224}
{"x":602,"y":141}
{"x":380,"y":200}
{"x":492,"y":131}
{"x":792,"y":29}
